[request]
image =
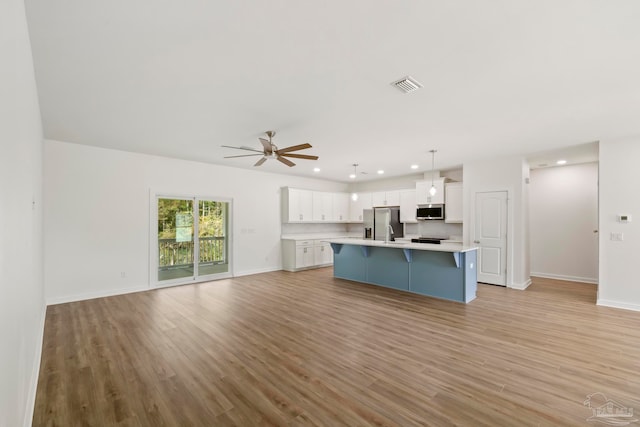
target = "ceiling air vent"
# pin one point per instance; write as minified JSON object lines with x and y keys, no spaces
{"x":407,"y":84}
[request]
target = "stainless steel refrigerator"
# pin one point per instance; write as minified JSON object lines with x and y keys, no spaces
{"x":387,"y":224}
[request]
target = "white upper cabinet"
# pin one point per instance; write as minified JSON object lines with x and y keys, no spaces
{"x":322,"y":206}
{"x":453,"y":200}
{"x":385,"y":198}
{"x":357,"y":206}
{"x":408,"y":206}
{"x":297,"y":205}
{"x":341,"y":207}
{"x":422,"y":192}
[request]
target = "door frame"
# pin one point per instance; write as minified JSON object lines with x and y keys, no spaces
{"x":153,"y":239}
{"x":510,"y":225}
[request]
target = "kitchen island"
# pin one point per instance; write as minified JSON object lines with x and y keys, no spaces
{"x":446,"y":271}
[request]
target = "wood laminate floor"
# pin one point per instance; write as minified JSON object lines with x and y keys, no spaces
{"x":305,"y":349}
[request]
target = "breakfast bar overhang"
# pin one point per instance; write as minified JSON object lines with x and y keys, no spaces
{"x":446,"y":271}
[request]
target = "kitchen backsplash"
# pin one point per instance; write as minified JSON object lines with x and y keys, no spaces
{"x":314,"y":228}
{"x":433,"y":229}
{"x":423,"y":228}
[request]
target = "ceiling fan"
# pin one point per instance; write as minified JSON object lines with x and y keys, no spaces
{"x":270,"y":151}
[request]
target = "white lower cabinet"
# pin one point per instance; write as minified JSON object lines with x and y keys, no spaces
{"x":322,"y":253}
{"x":303,"y":254}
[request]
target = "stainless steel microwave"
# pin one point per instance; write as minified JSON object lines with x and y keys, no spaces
{"x":430,"y":212}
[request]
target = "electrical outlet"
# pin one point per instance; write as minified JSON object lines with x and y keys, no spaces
{"x":123,"y":275}
{"x":617,"y":237}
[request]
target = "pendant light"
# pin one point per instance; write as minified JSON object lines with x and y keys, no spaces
{"x":432,"y":190}
{"x":354,"y":195}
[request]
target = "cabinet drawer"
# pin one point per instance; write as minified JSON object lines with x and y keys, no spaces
{"x":304,"y":242}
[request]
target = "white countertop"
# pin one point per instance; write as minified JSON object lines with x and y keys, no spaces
{"x":320,"y":236}
{"x":443,"y":247}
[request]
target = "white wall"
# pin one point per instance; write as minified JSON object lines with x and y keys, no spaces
{"x":395,"y":183}
{"x":402,"y":182}
{"x":97,"y":217}
{"x":21,"y":283}
{"x":563,"y":215}
{"x":619,"y":177}
{"x":502,"y":174}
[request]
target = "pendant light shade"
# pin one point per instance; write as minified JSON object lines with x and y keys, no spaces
{"x":432,"y":190}
{"x":354,"y":195}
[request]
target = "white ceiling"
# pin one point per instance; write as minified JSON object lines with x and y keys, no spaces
{"x":180,"y":78}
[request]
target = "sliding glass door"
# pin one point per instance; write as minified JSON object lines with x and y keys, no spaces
{"x":212,"y":236}
{"x":192,"y":240}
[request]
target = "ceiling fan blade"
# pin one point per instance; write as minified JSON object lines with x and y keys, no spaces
{"x":293,"y":148}
{"x":267,"y":145}
{"x":242,"y":148}
{"x":261,"y":161}
{"x":300,"y":156}
{"x":244,"y":155}
{"x":286,"y":161}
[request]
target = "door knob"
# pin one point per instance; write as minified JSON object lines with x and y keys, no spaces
{"x":476,"y":241}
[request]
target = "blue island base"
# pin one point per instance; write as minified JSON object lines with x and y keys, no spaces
{"x":447,"y":275}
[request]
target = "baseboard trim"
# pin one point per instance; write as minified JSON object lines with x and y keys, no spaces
{"x":567,"y":278}
{"x":521,"y":286}
{"x":257,"y":271}
{"x":35,"y":372}
{"x":97,"y":294}
{"x":618,"y":304}
{"x":110,"y":293}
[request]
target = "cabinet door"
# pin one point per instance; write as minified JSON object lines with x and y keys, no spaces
{"x":304,"y":256}
{"x":379,"y":198}
{"x":322,"y":206}
{"x":453,"y":202}
{"x":299,"y":205}
{"x":322,"y":254}
{"x":422,"y":192}
{"x":327,"y":254}
{"x":357,"y":206}
{"x":408,"y":206}
{"x":341,"y":207}
{"x":366,"y":200}
{"x":392,"y":198}
{"x":305,"y":205}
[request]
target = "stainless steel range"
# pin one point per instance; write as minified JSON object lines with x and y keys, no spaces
{"x":432,"y":240}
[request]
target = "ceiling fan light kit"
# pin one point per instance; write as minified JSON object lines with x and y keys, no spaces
{"x":271,"y":151}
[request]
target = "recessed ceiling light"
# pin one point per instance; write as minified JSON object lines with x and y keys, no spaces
{"x":414,"y":166}
{"x":561,"y":162}
{"x":380,"y":172}
{"x":316,"y":169}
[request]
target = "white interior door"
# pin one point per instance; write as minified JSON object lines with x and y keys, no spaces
{"x":491,"y":237}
